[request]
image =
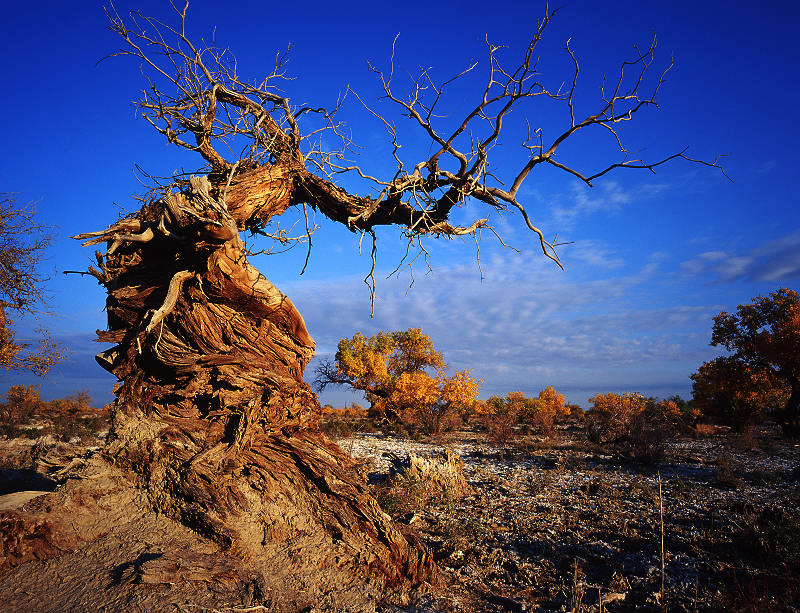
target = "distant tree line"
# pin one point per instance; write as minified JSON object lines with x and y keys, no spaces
{"x":405,"y":381}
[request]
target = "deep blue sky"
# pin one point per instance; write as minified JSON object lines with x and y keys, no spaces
{"x":654,"y":256}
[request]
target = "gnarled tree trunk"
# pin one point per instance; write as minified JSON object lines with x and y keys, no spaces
{"x":213,"y":413}
{"x":212,"y":417}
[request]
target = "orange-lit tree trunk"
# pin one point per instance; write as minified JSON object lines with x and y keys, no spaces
{"x":212,"y":415}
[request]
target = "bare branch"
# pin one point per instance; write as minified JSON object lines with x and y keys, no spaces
{"x":197,"y":100}
{"x":175,"y":286}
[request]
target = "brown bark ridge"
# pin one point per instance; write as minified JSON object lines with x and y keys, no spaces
{"x":213,"y":420}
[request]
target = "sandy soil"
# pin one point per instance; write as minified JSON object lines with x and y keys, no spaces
{"x":551,"y":525}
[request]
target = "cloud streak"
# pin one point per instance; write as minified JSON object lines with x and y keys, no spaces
{"x":609,"y":197}
{"x":600,"y":325}
{"x":525,"y":325}
{"x":775,"y":261}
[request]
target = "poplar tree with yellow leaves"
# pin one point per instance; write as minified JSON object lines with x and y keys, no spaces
{"x":764,"y":366}
{"x":23,"y":244}
{"x":402,"y":375}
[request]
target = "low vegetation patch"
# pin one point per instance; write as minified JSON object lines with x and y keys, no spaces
{"x":24,"y":414}
{"x":572,"y":525}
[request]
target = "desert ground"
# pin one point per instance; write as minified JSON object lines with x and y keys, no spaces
{"x":547,"y":524}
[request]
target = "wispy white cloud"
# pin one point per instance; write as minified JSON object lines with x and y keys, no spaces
{"x":766,"y":166}
{"x":775,"y":261}
{"x":593,"y":253}
{"x":600,"y":325}
{"x":526,"y":325}
{"x":607,"y":197}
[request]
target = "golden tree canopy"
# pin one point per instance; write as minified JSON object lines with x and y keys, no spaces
{"x":400,"y":371}
{"x":23,"y":243}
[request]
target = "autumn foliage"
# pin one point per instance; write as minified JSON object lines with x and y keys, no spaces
{"x":633,"y":424}
{"x":502,"y":414}
{"x":403,"y":377}
{"x":729,"y":391}
{"x":351,"y":411}
{"x":764,"y":340}
{"x":24,"y":413}
{"x":612,"y":415}
{"x":23,"y":244}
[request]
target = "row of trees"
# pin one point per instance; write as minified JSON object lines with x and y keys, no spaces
{"x":405,"y":378}
{"x":23,"y":404}
{"x":24,"y":413}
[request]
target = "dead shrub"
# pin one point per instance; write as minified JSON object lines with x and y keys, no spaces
{"x":648,"y":437}
{"x":500,"y":428}
{"x":702,"y":430}
{"x":745,"y":440}
{"x":336,"y":428}
{"x":724,"y":473}
{"x":767,"y":545}
{"x":433,"y":422}
{"x":415,"y":481}
{"x":632,"y":425}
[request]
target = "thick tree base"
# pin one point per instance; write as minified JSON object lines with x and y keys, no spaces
{"x":299,"y":529}
{"x":213,"y":423}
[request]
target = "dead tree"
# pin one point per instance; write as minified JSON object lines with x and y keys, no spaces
{"x":212,"y":415}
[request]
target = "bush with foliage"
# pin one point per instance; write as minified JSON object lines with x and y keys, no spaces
{"x":403,"y":376}
{"x":502,"y":414}
{"x":611,"y":417}
{"x":22,"y":403}
{"x":575,"y":412}
{"x":633,"y":424}
{"x":686,"y":412}
{"x":728,"y":391}
{"x":548,"y":408}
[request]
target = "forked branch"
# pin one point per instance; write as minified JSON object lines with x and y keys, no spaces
{"x":197,"y":100}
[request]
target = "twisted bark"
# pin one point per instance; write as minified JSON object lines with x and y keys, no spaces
{"x":213,"y":420}
{"x":213,"y":413}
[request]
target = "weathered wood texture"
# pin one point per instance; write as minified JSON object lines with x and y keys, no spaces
{"x":213,"y":419}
